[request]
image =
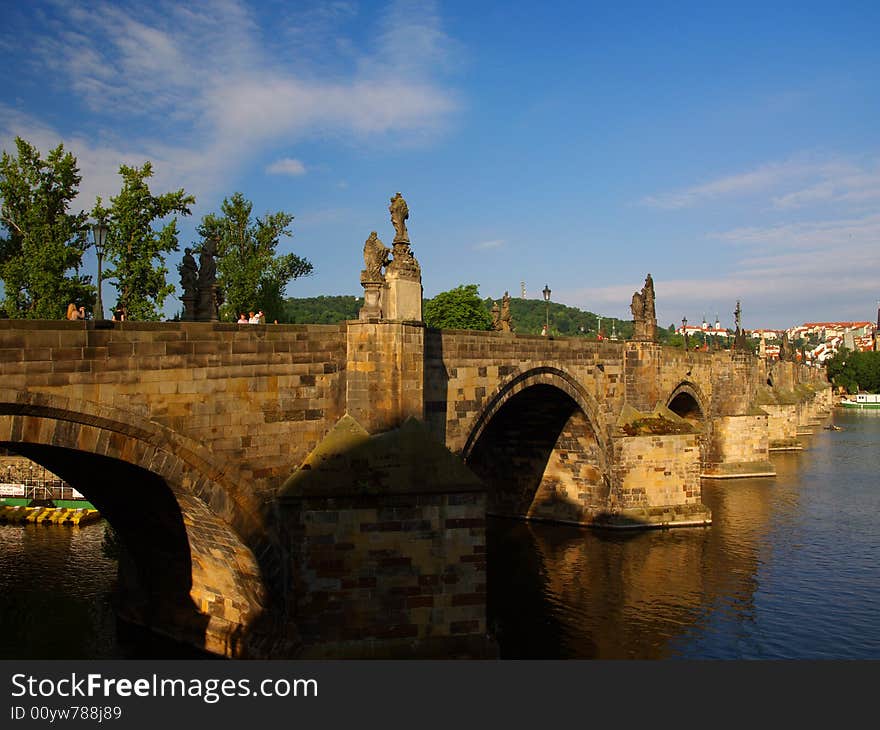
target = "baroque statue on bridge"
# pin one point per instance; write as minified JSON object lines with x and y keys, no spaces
{"x":739,"y":337}
{"x":375,"y":258}
{"x":399,"y":214}
{"x":210,"y":297}
{"x":644,"y":313}
{"x":189,"y":274}
{"x":189,"y":282}
{"x":496,"y":317}
{"x":506,"y":319}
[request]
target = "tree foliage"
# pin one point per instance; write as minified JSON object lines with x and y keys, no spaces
{"x":855,"y":371}
{"x":460,"y":308}
{"x":42,"y":250}
{"x":134,"y":249}
{"x":320,"y":310}
{"x":250,"y":273}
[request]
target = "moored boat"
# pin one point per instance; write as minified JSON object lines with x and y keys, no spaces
{"x":862,"y":400}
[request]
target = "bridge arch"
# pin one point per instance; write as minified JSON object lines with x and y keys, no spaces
{"x":688,"y":401}
{"x":547,"y":375}
{"x":187,"y":570}
{"x":541,"y":446}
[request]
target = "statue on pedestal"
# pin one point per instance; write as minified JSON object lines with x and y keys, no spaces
{"x":644,"y":314}
{"x":784,"y":348}
{"x":496,"y":317}
{"x":399,"y":214}
{"x":189,"y":282}
{"x":209,"y":299}
{"x":506,"y":321}
{"x":375,"y":258}
{"x":372,"y":278}
{"x":739,"y":337}
{"x":404,"y":264}
{"x":395,"y":294}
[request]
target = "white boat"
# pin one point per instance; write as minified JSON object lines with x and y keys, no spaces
{"x":862,"y":400}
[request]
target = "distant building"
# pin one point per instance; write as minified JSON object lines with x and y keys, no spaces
{"x":767,"y":334}
{"x":828,"y":330}
{"x":704,"y":329}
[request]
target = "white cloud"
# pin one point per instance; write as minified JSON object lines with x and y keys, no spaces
{"x":487,"y":245}
{"x":793,"y":271}
{"x":287,"y":166}
{"x":201,"y":89}
{"x":797,"y":183}
{"x":760,"y":179}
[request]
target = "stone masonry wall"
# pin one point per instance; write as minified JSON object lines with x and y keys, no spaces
{"x":385,"y":377}
{"x":257,"y":396}
{"x":573,"y":486}
{"x":465,"y":369}
{"x":740,"y":447}
{"x":782,"y":421}
{"x":656,"y":471}
{"x":398,"y":575}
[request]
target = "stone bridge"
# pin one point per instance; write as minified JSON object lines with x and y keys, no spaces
{"x":284,"y":490}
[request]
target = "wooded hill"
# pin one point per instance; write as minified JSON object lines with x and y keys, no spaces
{"x":528,"y":316}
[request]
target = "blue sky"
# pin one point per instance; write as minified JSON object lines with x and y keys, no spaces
{"x":731,"y":150}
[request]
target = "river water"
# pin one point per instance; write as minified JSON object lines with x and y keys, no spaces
{"x":788,"y":569}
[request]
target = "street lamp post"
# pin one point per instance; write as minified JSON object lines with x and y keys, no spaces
{"x":99,"y":231}
{"x":546,"y":293}
{"x":684,"y":331}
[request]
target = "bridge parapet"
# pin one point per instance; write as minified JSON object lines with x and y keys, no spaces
{"x":257,"y":397}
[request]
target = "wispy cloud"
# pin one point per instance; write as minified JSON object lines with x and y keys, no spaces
{"x":794,"y":269}
{"x":201,"y":86}
{"x":487,"y":245}
{"x":783,"y":185}
{"x":287,"y":166}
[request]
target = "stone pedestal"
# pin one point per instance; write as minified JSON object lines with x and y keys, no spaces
{"x":372,"y":308}
{"x":402,"y":298}
{"x":189,"y":308}
{"x":207,"y":307}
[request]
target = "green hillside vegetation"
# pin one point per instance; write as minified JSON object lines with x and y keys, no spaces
{"x":319,"y":310}
{"x":528,"y":316}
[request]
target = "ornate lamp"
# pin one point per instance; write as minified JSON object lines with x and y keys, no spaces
{"x":99,"y":232}
{"x":546,"y":293}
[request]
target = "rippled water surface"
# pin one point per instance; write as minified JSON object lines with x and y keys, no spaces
{"x":56,"y":599}
{"x":789,"y":569}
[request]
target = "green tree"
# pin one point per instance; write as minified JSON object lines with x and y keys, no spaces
{"x":460,"y":308}
{"x":250,"y":274}
{"x":320,"y":310}
{"x":135,"y":250}
{"x":42,"y":250}
{"x":854,"y":371}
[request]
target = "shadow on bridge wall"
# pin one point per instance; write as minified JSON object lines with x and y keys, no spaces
{"x":436,"y":383}
{"x":541,"y":458}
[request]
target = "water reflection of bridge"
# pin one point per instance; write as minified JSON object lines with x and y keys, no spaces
{"x":646,"y":595}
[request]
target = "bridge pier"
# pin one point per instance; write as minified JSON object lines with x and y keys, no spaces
{"x":386,"y":542}
{"x":739,"y":447}
{"x":656,"y":483}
